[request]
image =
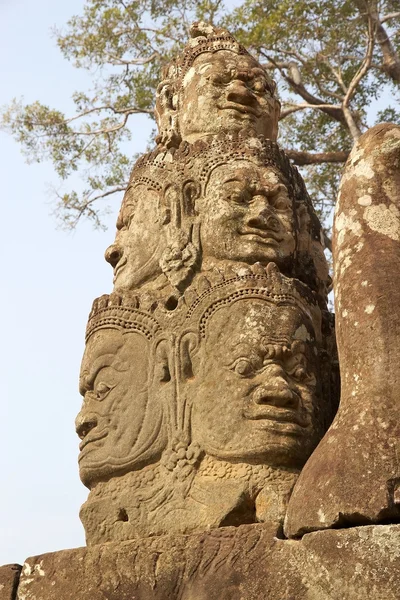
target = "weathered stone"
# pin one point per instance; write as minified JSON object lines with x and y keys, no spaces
{"x":201,"y":416}
{"x":234,"y":563}
{"x":207,"y":372}
{"x":9,"y":578}
{"x":215,"y":86}
{"x":228,"y":199}
{"x":354,"y":475}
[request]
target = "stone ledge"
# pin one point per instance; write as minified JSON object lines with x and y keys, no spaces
{"x":9,"y":577}
{"x":243,"y":563}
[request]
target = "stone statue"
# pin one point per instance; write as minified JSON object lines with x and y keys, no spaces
{"x":120,"y":383}
{"x":202,"y":416}
{"x":228,"y":199}
{"x":207,"y":372}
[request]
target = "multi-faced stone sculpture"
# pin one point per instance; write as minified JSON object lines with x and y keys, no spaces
{"x":215,"y":86}
{"x":215,"y":428}
{"x":354,"y":474}
{"x":206,"y":373}
{"x":230,"y":199}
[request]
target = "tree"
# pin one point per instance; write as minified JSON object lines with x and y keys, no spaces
{"x":331,"y":59}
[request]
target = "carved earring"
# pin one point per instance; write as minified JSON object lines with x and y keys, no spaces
{"x":167,"y":116}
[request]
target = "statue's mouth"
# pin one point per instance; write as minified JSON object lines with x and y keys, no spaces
{"x":242,"y":108}
{"x":285,"y":406}
{"x":91,"y":439}
{"x":119,"y":266}
{"x":276,"y":413}
{"x":264,"y":235}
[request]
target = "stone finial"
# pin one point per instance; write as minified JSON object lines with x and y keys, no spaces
{"x":353,"y":477}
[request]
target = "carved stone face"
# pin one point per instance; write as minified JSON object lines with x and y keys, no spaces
{"x":120,"y":423}
{"x":137,"y":249}
{"x":225,"y":91}
{"x":254,"y":397}
{"x":247,"y":215}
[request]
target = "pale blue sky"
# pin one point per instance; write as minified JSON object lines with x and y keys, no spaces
{"x":49,"y":281}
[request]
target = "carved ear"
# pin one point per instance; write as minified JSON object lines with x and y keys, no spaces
{"x":171,"y":208}
{"x":162,"y":362}
{"x":191,"y":192}
{"x":189,"y":348}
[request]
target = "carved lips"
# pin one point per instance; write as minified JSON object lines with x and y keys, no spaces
{"x":242,"y":108}
{"x":262,"y":235}
{"x":119,"y":266}
{"x":94,"y":438}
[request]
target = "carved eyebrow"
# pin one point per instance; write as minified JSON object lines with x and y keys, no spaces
{"x":88,"y":377}
{"x":236,"y":178}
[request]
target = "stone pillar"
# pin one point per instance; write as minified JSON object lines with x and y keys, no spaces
{"x":353,"y":477}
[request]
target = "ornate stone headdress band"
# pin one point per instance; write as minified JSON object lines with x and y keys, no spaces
{"x":155,"y":169}
{"x":267,"y":284}
{"x":123,"y":312}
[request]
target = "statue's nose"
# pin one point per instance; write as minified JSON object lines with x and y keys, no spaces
{"x":276,"y":393}
{"x":84,"y":424}
{"x":113,"y":255}
{"x":264,"y":218}
{"x":240,"y":94}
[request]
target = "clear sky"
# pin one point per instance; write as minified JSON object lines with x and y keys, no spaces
{"x":49,"y":279}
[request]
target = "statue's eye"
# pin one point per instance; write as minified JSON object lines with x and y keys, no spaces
{"x":101,"y":390}
{"x":296,"y":367}
{"x":243,"y":367}
{"x":300,"y":373}
{"x":241,"y":197}
{"x":223,"y":77}
{"x":280,"y":199}
{"x":258,"y":84}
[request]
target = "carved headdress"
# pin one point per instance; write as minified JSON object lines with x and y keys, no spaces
{"x":157,"y":170}
{"x":263,"y":283}
{"x":124,"y":312}
{"x":206,"y":38}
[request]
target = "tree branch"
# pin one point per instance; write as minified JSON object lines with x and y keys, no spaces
{"x":85,"y":206}
{"x":361,"y":73}
{"x":389,"y":16}
{"x":296,"y":107}
{"x":391,"y":59}
{"x":308,"y":158}
{"x":116,"y":60}
{"x":333,"y":111}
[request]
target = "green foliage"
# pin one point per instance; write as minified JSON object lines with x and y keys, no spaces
{"x":314,"y":49}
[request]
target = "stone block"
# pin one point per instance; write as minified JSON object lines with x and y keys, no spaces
{"x":9,"y":577}
{"x":232,"y":563}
